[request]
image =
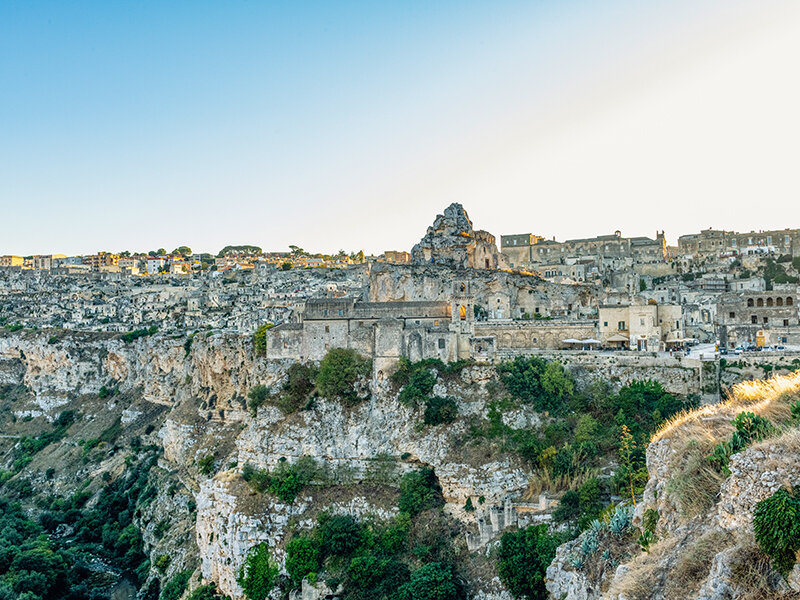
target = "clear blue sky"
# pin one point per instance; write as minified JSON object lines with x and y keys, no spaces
{"x":136,"y":125}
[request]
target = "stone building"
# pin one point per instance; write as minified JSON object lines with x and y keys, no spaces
{"x":650,"y":326}
{"x":758,"y":318}
{"x":529,"y":251}
{"x":11,"y":261}
{"x":381,"y":331}
{"x":715,"y":243}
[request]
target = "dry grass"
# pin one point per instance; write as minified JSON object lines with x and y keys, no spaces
{"x":695,"y":482}
{"x":769,"y":398}
{"x":753,"y":577}
{"x":694,"y":564}
{"x":646,"y":573}
{"x":544,"y":481}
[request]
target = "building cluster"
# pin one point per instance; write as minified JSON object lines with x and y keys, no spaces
{"x":455,"y":295}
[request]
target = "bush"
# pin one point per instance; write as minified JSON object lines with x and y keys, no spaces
{"x":258,"y":394}
{"x":749,"y":428}
{"x":434,"y":581}
{"x":286,"y":481}
{"x":260,"y":339}
{"x":302,"y":558}
{"x":375,"y":577}
{"x":206,"y":465}
{"x":419,"y":490}
{"x":534,"y":380}
{"x":776,"y":523}
{"x":440,"y":410}
{"x":522,"y":560}
{"x":259,"y":573}
{"x":176,"y":586}
{"x":207,"y":592}
{"x":338,"y":373}
{"x":339,"y":535}
{"x":420,"y":385}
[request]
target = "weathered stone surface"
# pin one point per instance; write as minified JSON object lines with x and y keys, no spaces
{"x":451,"y":241}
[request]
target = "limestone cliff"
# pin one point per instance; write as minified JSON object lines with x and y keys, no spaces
{"x":705,"y":547}
{"x":451,"y":241}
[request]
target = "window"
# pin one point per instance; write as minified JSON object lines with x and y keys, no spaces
{"x":436,"y":323}
{"x":749,"y":302}
{"x":677,"y":324}
{"x":641,"y":322}
{"x":769,"y":301}
{"x":760,"y":302}
{"x":341,"y":312}
{"x":766,"y":320}
{"x":441,"y":343}
{"x":361,"y":323}
{"x":605,"y":323}
{"x":732,"y":315}
{"x":621,"y":325}
{"x":754,"y":319}
{"x":327,"y":329}
{"x":325,"y":313}
{"x":789,"y":301}
{"x":786,"y":322}
{"x":779,"y":302}
{"x":326,"y":346}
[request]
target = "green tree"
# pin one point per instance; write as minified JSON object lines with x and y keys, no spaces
{"x":302,"y":558}
{"x":523,"y":558}
{"x":259,"y":573}
{"x":339,"y":371}
{"x":419,"y":490}
{"x":434,"y":581}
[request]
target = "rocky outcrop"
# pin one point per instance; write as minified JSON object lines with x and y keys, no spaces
{"x":451,"y":241}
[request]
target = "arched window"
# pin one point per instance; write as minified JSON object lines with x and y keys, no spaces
{"x":789,"y":301}
{"x":462,"y":312}
{"x":769,"y":301}
{"x":749,"y":302}
{"x":760,"y":302}
{"x":779,"y":302}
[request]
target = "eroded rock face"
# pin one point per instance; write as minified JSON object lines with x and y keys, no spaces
{"x":756,"y":473}
{"x":452,"y":241}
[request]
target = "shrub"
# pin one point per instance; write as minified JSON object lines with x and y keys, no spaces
{"x":434,"y":581}
{"x":776,"y":523}
{"x":420,"y":385}
{"x":207,"y":592}
{"x":339,"y":371}
{"x":286,"y":481}
{"x":302,"y":558}
{"x":259,"y":573}
{"x":534,"y":380}
{"x":206,"y":465}
{"x":176,"y":586}
{"x":419,"y":490}
{"x":339,"y":535}
{"x":260,"y":339}
{"x":440,"y":410}
{"x":749,"y":428}
{"x":257,"y":396}
{"x":375,"y":577}
{"x":523,"y":558}
{"x":162,"y":563}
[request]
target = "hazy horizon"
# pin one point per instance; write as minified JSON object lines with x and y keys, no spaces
{"x":139,"y":126}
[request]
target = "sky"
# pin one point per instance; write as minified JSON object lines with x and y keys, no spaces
{"x":349,"y":125}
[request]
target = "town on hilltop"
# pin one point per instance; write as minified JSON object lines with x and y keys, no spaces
{"x":454,"y":295}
